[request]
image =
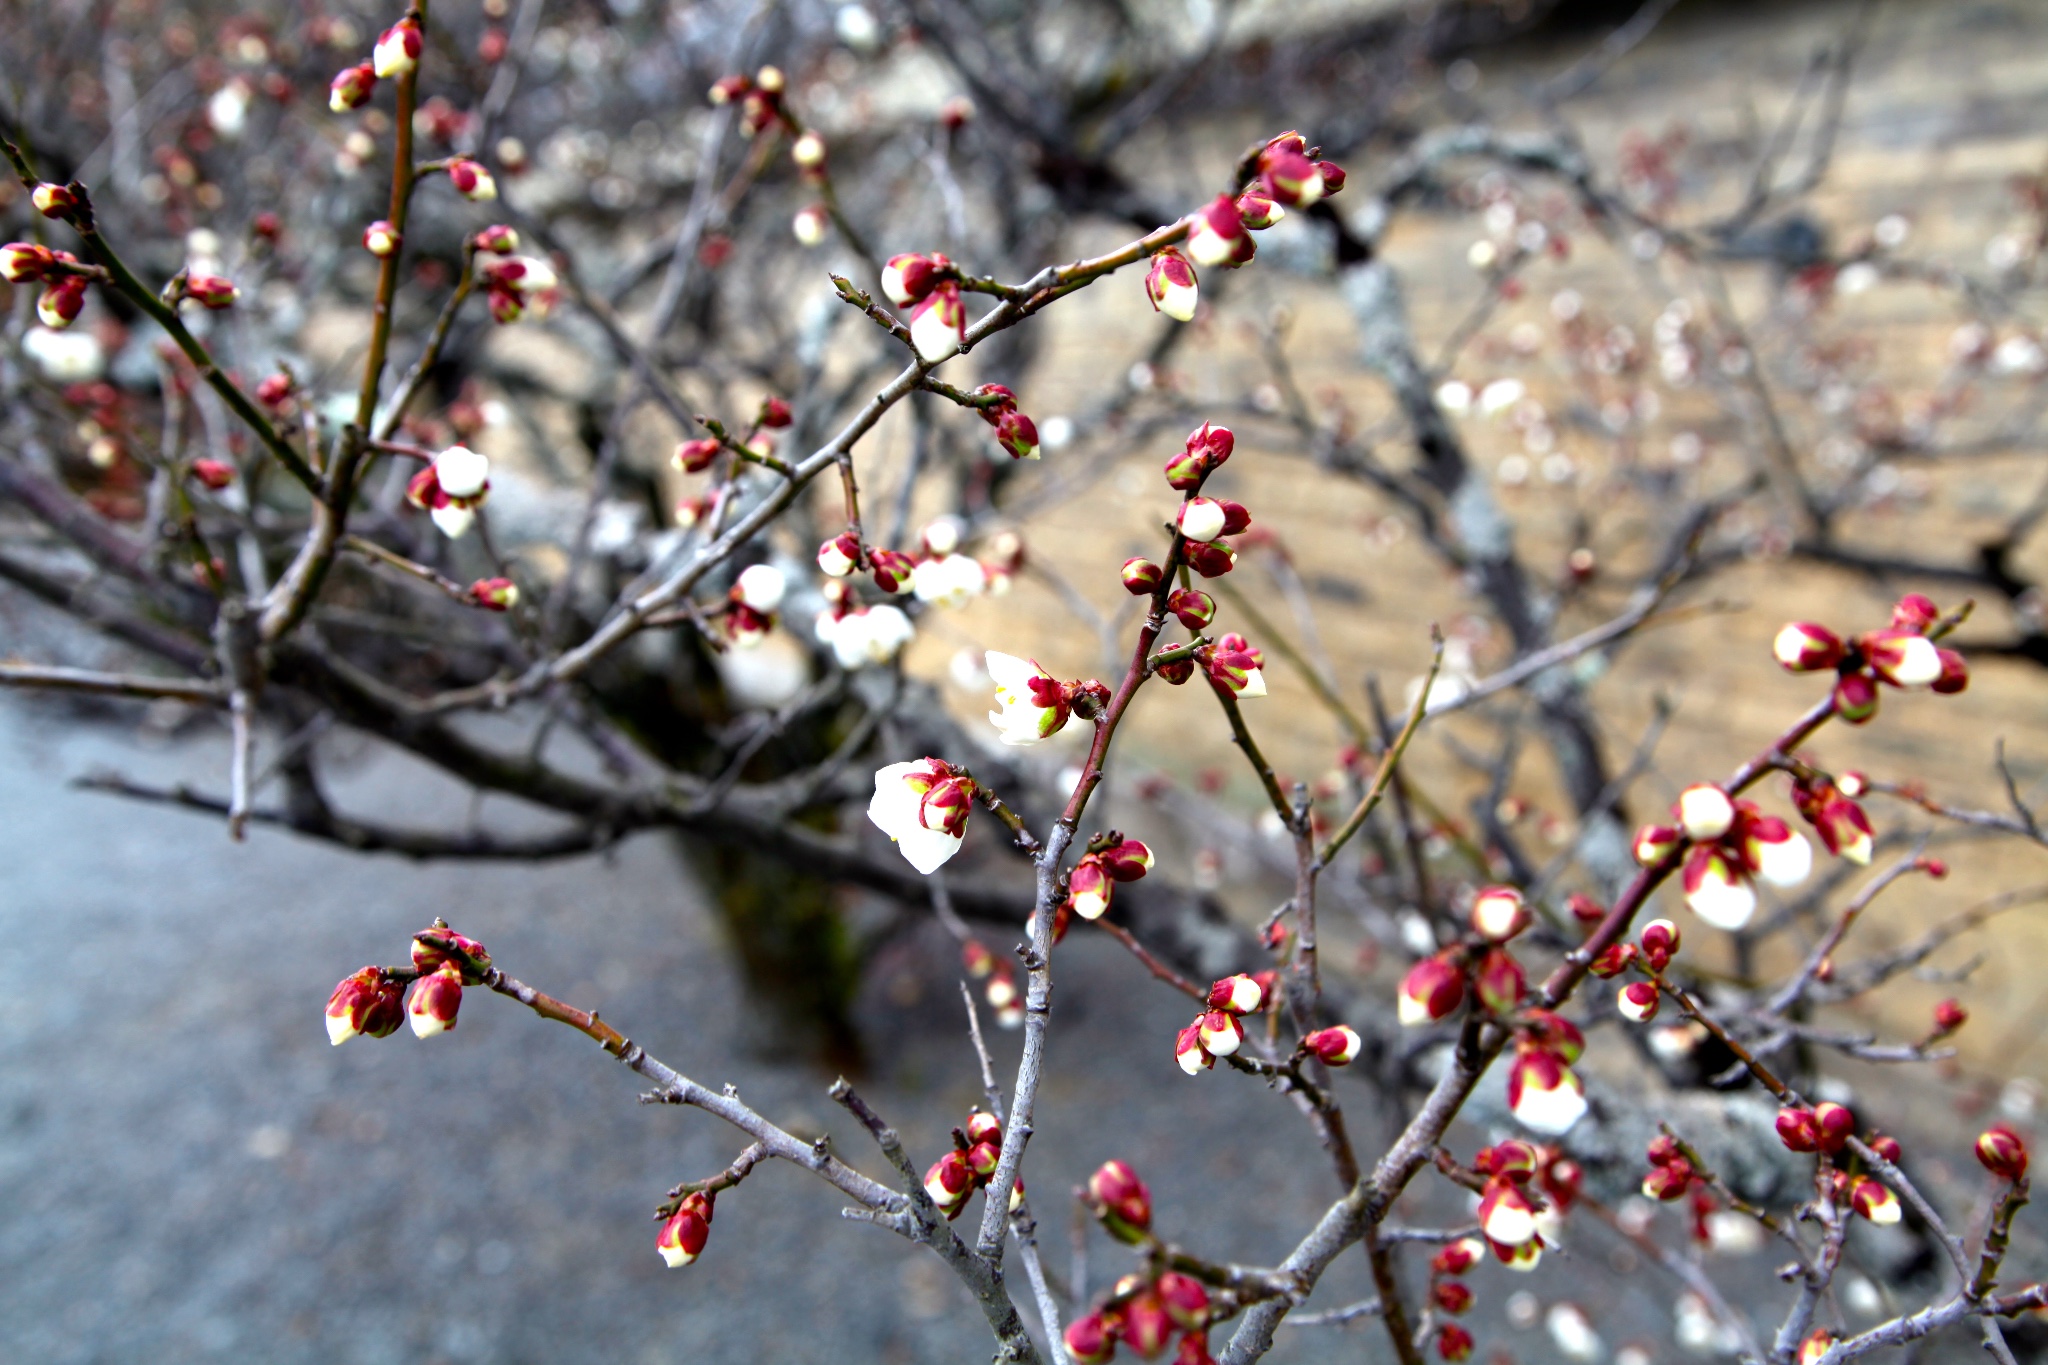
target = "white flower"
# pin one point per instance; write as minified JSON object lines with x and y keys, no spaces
{"x":454,"y":519}
{"x":761,"y":586}
{"x":1718,"y":893}
{"x":1555,"y":1110}
{"x":461,"y":472}
{"x":65,"y":357}
{"x":1705,"y":811}
{"x":872,"y":635}
{"x":942,"y":535}
{"x":898,"y":811}
{"x":1784,"y":863}
{"x":1201,"y":519}
{"x":1022,"y":719}
{"x":948,"y":581}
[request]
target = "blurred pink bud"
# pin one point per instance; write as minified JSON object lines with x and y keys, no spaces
{"x":1432,"y":989}
{"x":1902,"y":658}
{"x":1289,"y":176}
{"x":1240,"y":994}
{"x":211,"y":291}
{"x":840,"y":555}
{"x":398,"y":50}
{"x":1613,"y":960}
{"x":1121,"y":1201}
{"x":1194,"y":609}
{"x":1655,"y":842}
{"x":1210,"y":559}
{"x":351,"y":88}
{"x":1337,"y":1045}
{"x":1505,"y":1214}
{"x":1184,"y":1299}
{"x":1216,"y":234}
{"x":910,"y":278}
{"x":498,"y":237}
{"x":1499,"y":982}
{"x":53,"y":200}
{"x":695,"y":456}
{"x":1018,"y":435}
{"x":1499,"y":913}
{"x":1704,"y":812}
{"x":1803,"y":647}
{"x":1668,"y":1182}
{"x":1797,"y":1130}
{"x":1089,"y":1340}
{"x":892,"y":570}
{"x":1189,"y":1052}
{"x":381,"y":239}
{"x":1875,"y":1201}
{"x":1637,"y":1002}
{"x":494,"y":594}
{"x":1834,"y":1123}
{"x":1256,"y":211}
{"x":1171,"y":285}
{"x":1128,"y":861}
{"x":1954,"y":676}
{"x":1949,"y":1016}
{"x":25,"y":262}
{"x":774,"y":413}
{"x":2002,"y":1152}
{"x":471,"y":179}
{"x":1915,"y":612}
{"x":1147,"y":1326}
{"x":215,"y":474}
{"x":1457,"y":1258}
{"x":1453,"y":1343}
{"x":1856,"y":697}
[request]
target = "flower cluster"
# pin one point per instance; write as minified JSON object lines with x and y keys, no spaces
{"x":1113,"y":859}
{"x":1145,"y":1314}
{"x":63,"y":296}
{"x":1219,"y":234}
{"x":1510,"y":1200}
{"x":516,"y":287}
{"x":968,"y":1166}
{"x":1902,"y":656}
{"x":1032,"y":705}
{"x":930,"y":287}
{"x":760,"y":98}
{"x":923,"y":806}
{"x":751,"y":604}
{"x":451,"y":488}
{"x":860,"y":635}
{"x":1016,"y":433}
{"x":1217,"y":1031}
{"x":368,"y":1002}
{"x":1732,"y":844}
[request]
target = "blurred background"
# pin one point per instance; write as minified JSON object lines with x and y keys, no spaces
{"x":1697,"y":317}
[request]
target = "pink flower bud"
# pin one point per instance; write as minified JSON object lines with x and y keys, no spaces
{"x":1613,"y":960}
{"x":1637,"y":1002}
{"x":1257,"y":212}
{"x":25,"y":262}
{"x":369,"y":1002}
{"x":1513,"y":1159}
{"x":983,"y":1126}
{"x":53,"y":200}
{"x":840,"y":555}
{"x":1856,"y":697}
{"x":61,"y":301}
{"x":1902,"y":658}
{"x":1184,"y":1299}
{"x":1834,"y":1123}
{"x":435,"y":948}
{"x":1089,"y":888}
{"x":1875,"y":1201}
{"x":1949,"y":1016}
{"x":1234,"y":671}
{"x":1457,"y":1258}
{"x":2002,"y":1152}
{"x":1333,"y":177}
{"x":1668,"y":1182}
{"x":1453,"y":1343}
{"x":436,"y":997}
{"x":1337,"y":1045}
{"x":1452,"y":1296}
{"x":211,"y":291}
{"x":1171,"y":286}
{"x":1506,"y":1215}
{"x":1192,"y":608}
{"x":683,"y":1236}
{"x":1432,"y":989}
{"x":1189,"y":1052}
{"x":472,"y":180}
{"x":1654,"y":842}
{"x":398,"y":50}
{"x":1544,"y":1094}
{"x":728,"y":88}
{"x":1141,"y":576}
{"x":1717,"y":889}
{"x":1209,"y":559}
{"x":1147,"y":1326}
{"x":1220,"y":1032}
{"x":1289,"y":176}
{"x":938,"y":325}
{"x":1886,"y":1147}
{"x":694,"y":457}
{"x":1089,"y":1340}
{"x":893,"y":572}
{"x":910,"y":278}
{"x":1239,"y":994}
{"x":1915,"y":612}
{"x":381,"y":239}
{"x":1217,"y":233}
{"x":949,"y":1181}
{"x":1704,"y":812}
{"x":1128,"y":861}
{"x":1499,"y":913}
{"x":1954,"y":676}
{"x":1121,"y":1201}
{"x":1798,"y":1131}
{"x":351,"y":88}
{"x":1554,"y":1033}
{"x":1803,"y":647}
{"x":1844,"y":829}
{"x":1018,"y":435}
{"x":494,"y":594}
{"x":215,"y":474}
{"x":1499,"y":982}
{"x":981,"y":1159}
{"x":498,"y":237}
{"x":1176,"y":671}
{"x":1660,"y":942}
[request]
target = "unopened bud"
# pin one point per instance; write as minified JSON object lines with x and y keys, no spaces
{"x":1856,"y":696}
{"x":1454,"y":1343}
{"x":683,"y":1236}
{"x":436,"y":997}
{"x":1834,"y":1124}
{"x":498,"y":237}
{"x":840,"y":555}
{"x":53,"y":200}
{"x":25,"y":262}
{"x":949,"y":1180}
{"x":368,"y":1003}
{"x":1221,"y":1033}
{"x":398,"y":50}
{"x":1655,"y":842}
{"x":351,"y":87}
{"x":1613,"y":960}
{"x":1902,"y":658}
{"x":472,"y":180}
{"x":1432,"y":989}
{"x":1184,"y":1299}
{"x":1499,"y":913}
{"x":694,"y":457}
{"x":1875,"y":1201}
{"x":1171,"y":286}
{"x":1238,"y":994}
{"x":215,"y":474}
{"x":1499,"y":982}
{"x":2002,"y":1152}
{"x":1121,"y":1200}
{"x":1704,"y":812}
{"x":1798,"y":1131}
{"x":1803,"y":647}
{"x":1089,"y":1340}
{"x":1189,"y":1053}
{"x":892,"y":570}
{"x":1141,"y":576}
{"x":1337,"y":1045}
{"x":381,"y":239}
{"x":1089,"y":888}
{"x":211,"y":291}
{"x":494,"y":594}
{"x":1193,"y":608}
{"x":1637,"y":1002}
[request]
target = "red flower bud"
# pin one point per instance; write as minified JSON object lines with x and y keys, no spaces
{"x":53,"y":200}
{"x":1798,"y":1131}
{"x":1803,"y":647}
{"x":1500,"y":982}
{"x":1669,"y":1181}
{"x":1220,"y":1033}
{"x":1216,"y":235}
{"x":1184,"y":1299}
{"x":1128,"y":861}
{"x":1886,"y":1147}
{"x":983,"y":1126}
{"x":397,"y":50}
{"x":1453,"y":1343}
{"x":1637,"y":1002}
{"x":494,"y":594}
{"x":892,"y":571}
{"x":949,"y":1181}
{"x":436,"y":997}
{"x":1949,"y":1016}
{"x":1455,"y":1259}
{"x":1121,"y":1201}
{"x":1207,"y":448}
{"x":1817,"y":1344}
{"x":683,"y":1236}
{"x":2002,"y":1152}
{"x":1874,"y":1200}
{"x":1147,"y":1326}
{"x":1210,"y":559}
{"x":1189,"y":1052}
{"x":1834,"y":1124}
{"x":1141,"y":576}
{"x":1613,"y":960}
{"x":1193,"y":608}
{"x":1171,"y":285}
{"x":1177,"y":671}
{"x":1855,"y":698}
{"x":1432,"y":989}
{"x":1089,"y":887}
{"x":1334,"y":1046}
{"x":215,"y":474}
{"x":1090,"y":1340}
{"x":1018,"y":435}
{"x":1238,"y":994}
{"x":1506,"y":1214}
{"x":1955,"y":674}
{"x":1654,"y":842}
{"x":471,"y":179}
{"x":1660,"y":942}
{"x":1452,"y":1296}
{"x":61,"y":301}
{"x":211,"y":291}
{"x":351,"y":88}
{"x":774,"y":413}
{"x":694,"y":457}
{"x":1915,"y":612}
{"x":976,"y":959}
{"x":369,"y":1002}
{"x":498,"y":237}
{"x":910,"y":278}
{"x":1902,"y":658}
{"x":25,"y":262}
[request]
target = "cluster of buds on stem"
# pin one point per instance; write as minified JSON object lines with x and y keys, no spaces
{"x":1033,"y":705}
{"x":1671,"y":1172}
{"x":1291,"y":174}
{"x":1146,"y":1314}
{"x":1826,"y":1128}
{"x":858,"y":635}
{"x":1452,"y":1296}
{"x":1234,"y":667}
{"x":1900,"y":656}
{"x":1208,"y":448}
{"x":751,"y":604}
{"x":1732,"y":844}
{"x":63,"y":296}
{"x":1544,"y":1093}
{"x":968,"y":1166}
{"x":1016,"y":433}
{"x":1110,"y":860}
{"x":930,"y":287}
{"x":451,"y":488}
{"x":516,"y":287}
{"x":1841,"y":823}
{"x":923,"y":806}
{"x":760,"y":98}
{"x":1218,"y":1030}
{"x":1508,"y":1205}
{"x":369,"y":1002}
